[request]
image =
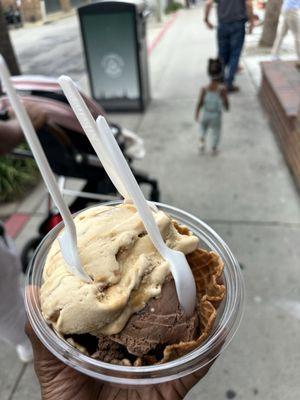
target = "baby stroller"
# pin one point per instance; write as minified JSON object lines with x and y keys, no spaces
{"x":70,"y":153}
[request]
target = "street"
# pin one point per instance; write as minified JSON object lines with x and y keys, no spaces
{"x":51,"y":49}
{"x":245,"y":193}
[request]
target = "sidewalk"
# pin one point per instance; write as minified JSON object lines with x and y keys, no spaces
{"x":246,"y":194}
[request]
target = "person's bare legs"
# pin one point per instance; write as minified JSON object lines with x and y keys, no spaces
{"x":279,"y":37}
{"x":294,"y":26}
{"x":203,"y":128}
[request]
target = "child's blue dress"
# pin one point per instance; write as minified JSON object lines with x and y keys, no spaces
{"x":212,"y":115}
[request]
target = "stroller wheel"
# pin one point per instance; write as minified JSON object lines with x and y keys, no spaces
{"x":155,"y":195}
{"x":28,"y":251}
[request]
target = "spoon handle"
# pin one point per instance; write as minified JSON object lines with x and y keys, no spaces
{"x":38,"y":152}
{"x":89,"y":126}
{"x":35,"y":145}
{"x":136,"y":195}
{"x":182,"y":274}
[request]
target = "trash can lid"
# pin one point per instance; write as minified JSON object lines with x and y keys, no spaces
{"x":139,"y":4}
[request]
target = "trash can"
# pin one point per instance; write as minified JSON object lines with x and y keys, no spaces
{"x":114,"y":40}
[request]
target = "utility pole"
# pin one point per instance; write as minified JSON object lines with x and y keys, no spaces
{"x":6,"y":48}
{"x":43,"y":10}
{"x":158,"y":11}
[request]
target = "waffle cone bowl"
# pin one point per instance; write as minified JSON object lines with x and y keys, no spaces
{"x":207,"y":268}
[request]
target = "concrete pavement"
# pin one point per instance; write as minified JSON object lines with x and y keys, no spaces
{"x":246,"y":194}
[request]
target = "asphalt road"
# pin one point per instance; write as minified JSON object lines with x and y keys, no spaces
{"x":51,"y":49}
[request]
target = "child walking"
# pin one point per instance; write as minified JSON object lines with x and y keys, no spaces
{"x":213,"y":98}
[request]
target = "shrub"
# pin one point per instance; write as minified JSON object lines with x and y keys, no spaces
{"x":172,"y":7}
{"x":16,"y":176}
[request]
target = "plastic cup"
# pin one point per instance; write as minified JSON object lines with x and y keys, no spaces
{"x":228,"y":318}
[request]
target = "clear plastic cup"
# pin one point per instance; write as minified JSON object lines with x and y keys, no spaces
{"x":228,"y":316}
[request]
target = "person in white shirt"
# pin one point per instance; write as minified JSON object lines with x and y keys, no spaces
{"x":291,"y":21}
{"x":12,"y":309}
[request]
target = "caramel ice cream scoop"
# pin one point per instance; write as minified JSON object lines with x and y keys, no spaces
{"x":126,"y":270}
{"x":130,"y":313}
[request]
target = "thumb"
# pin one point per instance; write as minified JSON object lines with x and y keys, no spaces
{"x":41,"y":353}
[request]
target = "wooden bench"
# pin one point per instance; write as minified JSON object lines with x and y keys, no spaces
{"x":280,"y":95}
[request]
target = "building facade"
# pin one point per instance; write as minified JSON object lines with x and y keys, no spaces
{"x":35,"y":10}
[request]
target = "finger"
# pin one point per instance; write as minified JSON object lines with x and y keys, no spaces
{"x":39,"y":350}
{"x":11,"y":113}
{"x":185,"y":384}
{"x":190,"y":380}
{"x":41,"y":353}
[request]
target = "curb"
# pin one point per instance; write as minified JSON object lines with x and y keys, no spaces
{"x":162,"y":33}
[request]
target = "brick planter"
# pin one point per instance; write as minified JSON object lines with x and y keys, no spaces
{"x":280,"y":95}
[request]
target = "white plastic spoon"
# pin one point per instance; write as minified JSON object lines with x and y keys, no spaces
{"x":183,"y":277}
{"x":90,"y":128}
{"x":68,"y":238}
{"x":180,"y":269}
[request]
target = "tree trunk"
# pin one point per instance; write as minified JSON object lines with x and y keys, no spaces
{"x":298,"y":121}
{"x":6,"y":48}
{"x":270,"y":23}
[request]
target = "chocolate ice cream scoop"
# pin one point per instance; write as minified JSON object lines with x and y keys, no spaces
{"x":161,"y":322}
{"x":161,"y":332}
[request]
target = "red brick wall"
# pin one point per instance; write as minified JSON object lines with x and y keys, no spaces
{"x":65,"y":5}
{"x":31,"y":10}
{"x":7,"y":3}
